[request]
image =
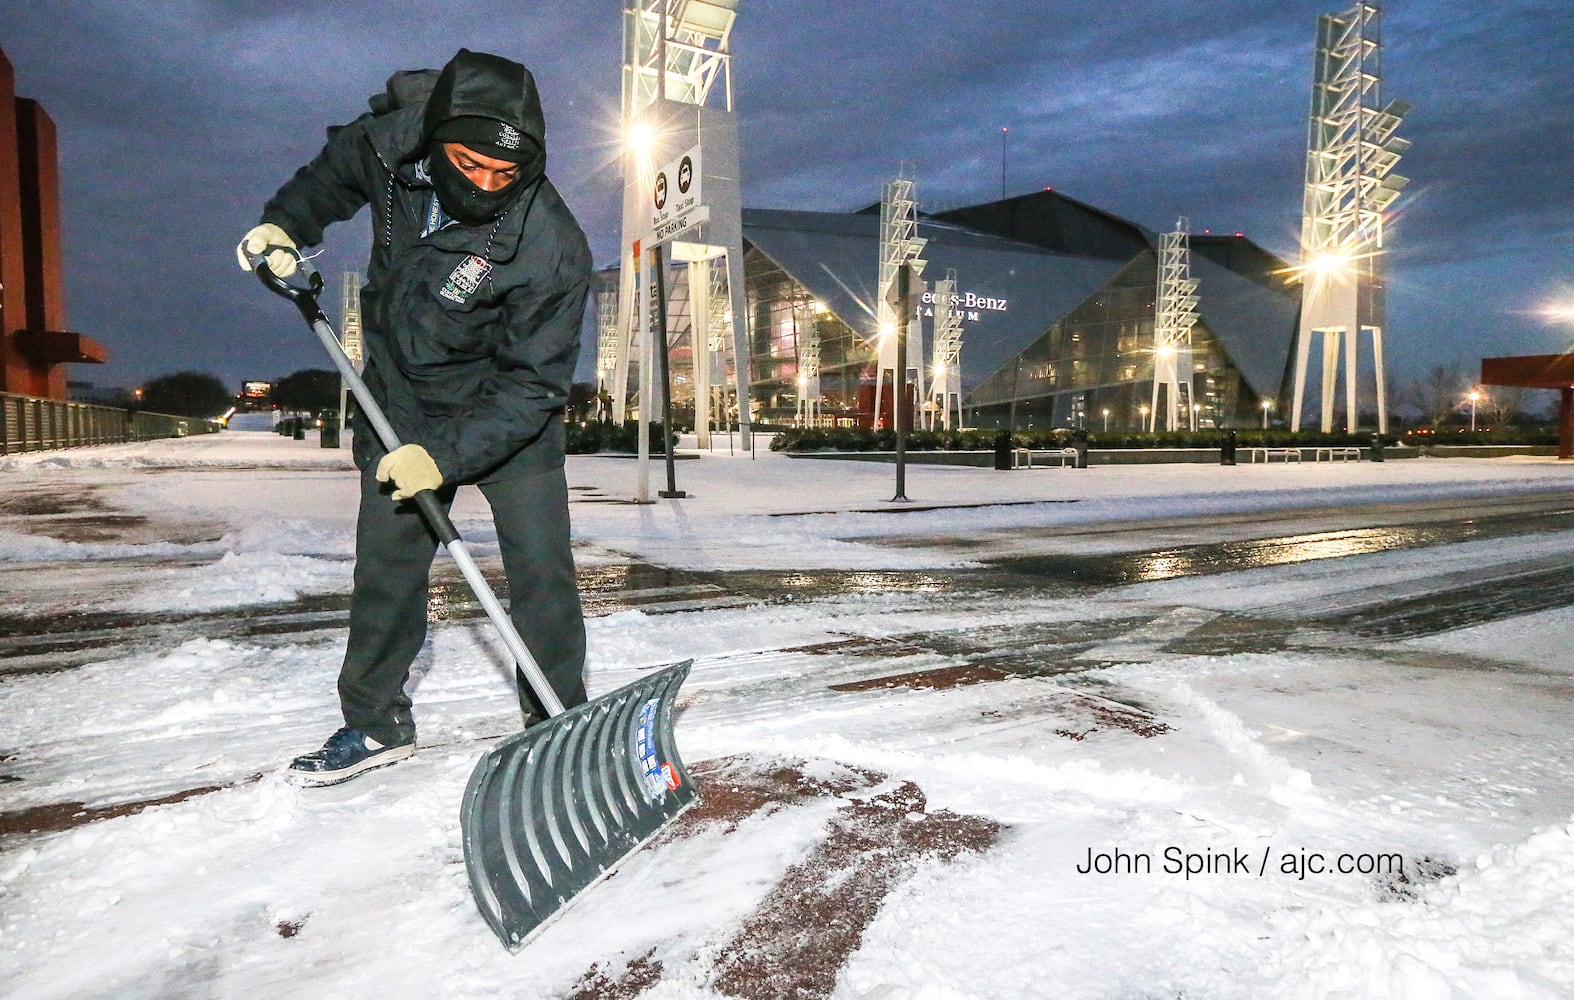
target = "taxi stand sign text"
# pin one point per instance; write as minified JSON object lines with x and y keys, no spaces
{"x":675,"y":204}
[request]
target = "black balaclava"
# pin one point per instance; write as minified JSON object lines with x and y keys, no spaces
{"x":495,"y":139}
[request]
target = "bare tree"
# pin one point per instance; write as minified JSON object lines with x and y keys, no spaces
{"x":1504,"y":403}
{"x":1436,"y":393}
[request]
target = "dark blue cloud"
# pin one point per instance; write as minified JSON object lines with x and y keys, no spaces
{"x":178,"y":119}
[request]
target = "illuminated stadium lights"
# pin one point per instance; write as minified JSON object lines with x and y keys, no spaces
{"x":640,"y":139}
{"x":607,"y":341}
{"x":1352,"y":150}
{"x":1557,"y":312}
{"x":899,"y":245}
{"x":1174,"y":315}
{"x":945,"y":387}
{"x":1328,"y":263}
{"x":676,"y":97}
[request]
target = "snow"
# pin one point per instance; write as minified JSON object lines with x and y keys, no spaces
{"x":1448,"y":752}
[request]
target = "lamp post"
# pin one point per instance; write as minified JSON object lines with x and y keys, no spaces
{"x":1474,"y":397}
{"x":1106,"y":418}
{"x":1142,"y":411}
{"x":1267,"y":405}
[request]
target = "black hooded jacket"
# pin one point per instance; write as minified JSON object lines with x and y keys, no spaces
{"x":471,"y":332}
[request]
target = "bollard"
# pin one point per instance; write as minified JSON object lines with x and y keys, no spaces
{"x":1377,"y":448}
{"x":1079,"y":441}
{"x":330,"y":429}
{"x":1003,"y":450}
{"x":1227,"y":449}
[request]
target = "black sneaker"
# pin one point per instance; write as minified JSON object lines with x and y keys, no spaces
{"x":347,"y":753}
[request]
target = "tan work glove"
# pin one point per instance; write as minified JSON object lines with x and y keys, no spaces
{"x":411,"y":469}
{"x":258,"y":239}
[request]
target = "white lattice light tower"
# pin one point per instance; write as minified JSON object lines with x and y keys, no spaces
{"x":945,"y":386}
{"x":350,"y":336}
{"x":677,"y":95}
{"x":708,"y":327}
{"x":806,"y":317}
{"x":607,"y":345}
{"x":899,"y":244}
{"x":350,"y":320}
{"x":1351,"y":153}
{"x":1174,"y":315}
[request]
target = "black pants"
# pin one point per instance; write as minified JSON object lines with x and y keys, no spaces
{"x":393,"y":560}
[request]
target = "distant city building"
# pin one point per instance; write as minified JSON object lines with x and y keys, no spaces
{"x":35,"y":346}
{"x":1056,"y":300}
{"x":100,"y":395}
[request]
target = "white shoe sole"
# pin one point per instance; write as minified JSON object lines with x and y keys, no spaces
{"x":318,"y":779}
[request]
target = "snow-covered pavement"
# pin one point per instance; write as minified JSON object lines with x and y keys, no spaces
{"x":929,"y":768}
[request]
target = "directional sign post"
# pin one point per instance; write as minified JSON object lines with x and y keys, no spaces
{"x":675,"y":207}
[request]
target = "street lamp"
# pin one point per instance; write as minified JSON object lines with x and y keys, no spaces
{"x":1267,"y":405}
{"x":1474,"y":397}
{"x":1143,"y":412}
{"x":1196,"y":408}
{"x":1106,"y":418}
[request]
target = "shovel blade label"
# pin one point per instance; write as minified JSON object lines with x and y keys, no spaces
{"x":650,"y":766}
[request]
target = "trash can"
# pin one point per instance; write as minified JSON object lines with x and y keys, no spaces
{"x":330,"y":430}
{"x":1003,"y":450}
{"x":1227,"y":449}
{"x":1377,"y":448}
{"x":1079,"y":441}
{"x":299,"y":431}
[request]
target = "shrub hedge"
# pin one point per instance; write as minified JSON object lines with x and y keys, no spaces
{"x":801,"y":439}
{"x":592,"y":437}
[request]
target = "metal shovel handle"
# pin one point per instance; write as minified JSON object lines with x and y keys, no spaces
{"x":305,"y":298}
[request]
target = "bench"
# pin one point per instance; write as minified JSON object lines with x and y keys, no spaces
{"x":1269,"y":454}
{"x":1063,"y":457}
{"x":1344,"y":454}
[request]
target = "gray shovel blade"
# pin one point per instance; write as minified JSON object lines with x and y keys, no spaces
{"x":551,"y":810}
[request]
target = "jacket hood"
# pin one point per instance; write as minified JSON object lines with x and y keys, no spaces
{"x":475,"y":84}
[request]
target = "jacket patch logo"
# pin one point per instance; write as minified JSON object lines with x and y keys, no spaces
{"x":467,"y":277}
{"x":508,"y":137}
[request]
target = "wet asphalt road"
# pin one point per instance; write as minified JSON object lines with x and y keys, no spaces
{"x":1048,"y":562}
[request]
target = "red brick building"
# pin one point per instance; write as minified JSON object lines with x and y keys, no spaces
{"x":35,"y":345}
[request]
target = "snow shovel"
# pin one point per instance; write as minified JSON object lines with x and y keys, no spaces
{"x":552,"y":809}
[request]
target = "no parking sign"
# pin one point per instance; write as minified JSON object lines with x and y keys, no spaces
{"x":675,"y":202}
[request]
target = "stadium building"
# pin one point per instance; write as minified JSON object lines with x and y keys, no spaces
{"x":1057,"y":306}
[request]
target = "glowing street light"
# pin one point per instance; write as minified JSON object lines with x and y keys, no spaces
{"x":1328,"y":263}
{"x":1474,"y":397}
{"x":1106,"y":418}
{"x":1558,"y":310}
{"x":640,"y":138}
{"x":1267,"y":405}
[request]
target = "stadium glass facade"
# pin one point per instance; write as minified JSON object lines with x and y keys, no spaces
{"x":1057,"y":302}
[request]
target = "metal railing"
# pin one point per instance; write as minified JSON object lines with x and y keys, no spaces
{"x":30,"y":423}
